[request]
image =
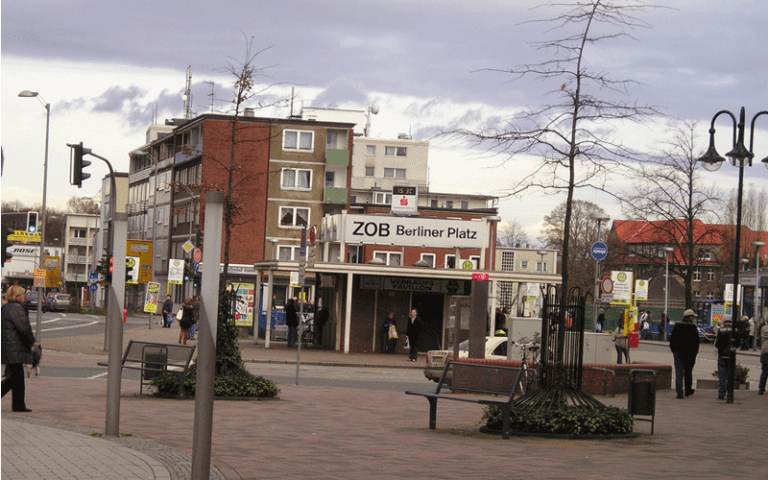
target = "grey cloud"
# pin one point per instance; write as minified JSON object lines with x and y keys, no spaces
{"x":341,"y":91}
{"x":114,"y":99}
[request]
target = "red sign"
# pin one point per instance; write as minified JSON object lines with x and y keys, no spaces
{"x":312,"y":234}
{"x":480,"y":276}
{"x":198,"y":255}
{"x":607,"y":285}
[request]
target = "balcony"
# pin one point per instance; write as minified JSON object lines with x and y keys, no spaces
{"x":335,"y":195}
{"x":188,"y":152}
{"x":337,"y":157}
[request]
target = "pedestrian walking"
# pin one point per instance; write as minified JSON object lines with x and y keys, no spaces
{"x":186,"y":320}
{"x":724,"y":353}
{"x":684,"y":344}
{"x":645,"y":325}
{"x":752,"y":329}
{"x":167,"y":312}
{"x":412,"y":332}
{"x":390,"y":333}
{"x":763,"y":359}
{"x":600,"y":321}
{"x":17,"y":341}
{"x":292,"y":322}
{"x":621,"y":342}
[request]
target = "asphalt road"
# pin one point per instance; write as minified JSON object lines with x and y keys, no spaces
{"x":60,"y":324}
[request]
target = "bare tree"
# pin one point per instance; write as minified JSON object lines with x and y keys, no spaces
{"x":670,"y":194}
{"x":574,"y":136}
{"x":512,"y":235}
{"x":583,"y":234}
{"x":82,"y":205}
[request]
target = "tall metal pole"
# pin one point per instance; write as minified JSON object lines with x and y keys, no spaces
{"x":758,"y":301}
{"x":665,"y":321}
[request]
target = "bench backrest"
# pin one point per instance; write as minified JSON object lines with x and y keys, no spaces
{"x":477,"y":378}
{"x":159,"y":353}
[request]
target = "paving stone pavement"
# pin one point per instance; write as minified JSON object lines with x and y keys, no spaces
{"x":349,"y":433}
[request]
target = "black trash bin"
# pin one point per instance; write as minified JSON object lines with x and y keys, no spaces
{"x":642,"y":395}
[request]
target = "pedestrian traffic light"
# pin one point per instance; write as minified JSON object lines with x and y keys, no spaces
{"x":77,"y":164}
{"x":32,"y":222}
{"x":196,"y":280}
{"x":199,"y":239}
{"x":187,"y":270}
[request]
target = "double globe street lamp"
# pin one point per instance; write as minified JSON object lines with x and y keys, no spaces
{"x":739,"y":157}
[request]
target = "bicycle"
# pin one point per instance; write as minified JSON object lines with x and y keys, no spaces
{"x":309,"y":338}
{"x":529,"y":374}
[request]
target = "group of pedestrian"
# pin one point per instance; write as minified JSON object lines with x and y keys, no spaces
{"x":188,"y":316}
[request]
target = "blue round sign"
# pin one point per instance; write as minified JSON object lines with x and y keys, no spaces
{"x":599,"y":251}
{"x":93,"y":287}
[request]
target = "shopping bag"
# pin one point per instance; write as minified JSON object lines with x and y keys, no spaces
{"x":392,"y":331}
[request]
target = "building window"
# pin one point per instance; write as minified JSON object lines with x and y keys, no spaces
{"x":506,"y":293}
{"x":450,"y":261}
{"x":395,"y":151}
{"x":697,"y":275}
{"x":524,"y":265}
{"x":294,"y":216}
{"x":369,"y":171}
{"x":370,"y":149}
{"x":507,"y":261}
{"x":336,"y":140}
{"x":710,"y":275}
{"x":353,"y":199}
{"x":433,"y":203}
{"x":390,"y":258}
{"x":475,"y":259}
{"x":429,"y":258}
{"x":300,"y":140}
{"x":696,"y":294}
{"x":329,"y":178}
{"x":382,"y":198}
{"x":710,"y":295}
{"x":288,"y":252}
{"x":394,"y":173}
{"x":79,"y":233}
{"x":464,"y":205}
{"x":541,"y":267}
{"x":449,"y":204}
{"x":295,"y":179}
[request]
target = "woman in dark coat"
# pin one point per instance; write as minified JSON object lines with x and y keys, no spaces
{"x":187,"y":319}
{"x":17,"y":341}
{"x":292,"y":322}
{"x":412,"y":332}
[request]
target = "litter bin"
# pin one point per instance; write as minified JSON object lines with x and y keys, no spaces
{"x":642,"y":395}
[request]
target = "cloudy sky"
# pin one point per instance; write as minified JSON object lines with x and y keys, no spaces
{"x":109,"y":68}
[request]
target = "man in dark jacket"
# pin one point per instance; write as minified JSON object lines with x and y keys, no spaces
{"x":292,"y":322}
{"x":17,"y":341}
{"x":684,"y":343}
{"x":167,"y":310}
{"x":723,"y":346}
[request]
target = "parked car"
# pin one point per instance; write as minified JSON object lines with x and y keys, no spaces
{"x":30,"y":300}
{"x":495,"y":349}
{"x":57,"y":302}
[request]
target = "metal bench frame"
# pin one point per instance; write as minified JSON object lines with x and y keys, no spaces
{"x":477,"y":379}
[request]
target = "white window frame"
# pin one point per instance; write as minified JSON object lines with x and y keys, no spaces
{"x":523,"y":264}
{"x":541,"y":267}
{"x":448,"y":258}
{"x":370,"y":171}
{"x":284,"y":210}
{"x":297,"y":173}
{"x":389,"y":257}
{"x":429,"y":258}
{"x":380,"y":198}
{"x":300,"y":135}
{"x":476,"y":260}
{"x":507,"y":261}
{"x":711,"y":275}
{"x":464,"y":205}
{"x":394,"y":173}
{"x":294,"y":249}
{"x":370,"y":150}
{"x":696,"y":274}
{"x":330,"y":178}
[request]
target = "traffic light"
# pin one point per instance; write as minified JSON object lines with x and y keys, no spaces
{"x":187,"y":269}
{"x":77,"y":164}
{"x":105,"y":268}
{"x":6,"y":243}
{"x":196,"y":280}
{"x":199,"y":239}
{"x":32,"y":222}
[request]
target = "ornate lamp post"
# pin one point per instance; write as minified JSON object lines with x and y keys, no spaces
{"x":665,"y":321}
{"x":740,"y":156}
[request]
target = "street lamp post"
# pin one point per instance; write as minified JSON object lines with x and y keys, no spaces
{"x":740,"y":156}
{"x":599,"y":218}
{"x":40,"y":290}
{"x":758,"y":300}
{"x":663,"y":333}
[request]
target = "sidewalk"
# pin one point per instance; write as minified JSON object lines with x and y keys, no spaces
{"x":326,"y":432}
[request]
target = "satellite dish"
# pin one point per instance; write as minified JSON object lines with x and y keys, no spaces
{"x":374,"y":108}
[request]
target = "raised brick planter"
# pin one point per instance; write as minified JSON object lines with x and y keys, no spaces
{"x":596,"y":382}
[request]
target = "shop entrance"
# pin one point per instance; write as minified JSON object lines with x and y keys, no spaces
{"x":430,"y":308}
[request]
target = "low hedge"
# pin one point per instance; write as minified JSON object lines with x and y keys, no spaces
{"x":571,"y":420}
{"x":233,"y":384}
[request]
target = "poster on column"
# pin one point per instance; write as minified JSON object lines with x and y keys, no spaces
{"x":622,"y":286}
{"x":244,"y":304}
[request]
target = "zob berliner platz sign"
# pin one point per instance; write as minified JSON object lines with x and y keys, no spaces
{"x":414,"y":231}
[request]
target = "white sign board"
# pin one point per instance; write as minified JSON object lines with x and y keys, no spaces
{"x":414,"y":231}
{"x":405,"y":200}
{"x":728,"y":294}
{"x":176,"y":271}
{"x":622,"y":286}
{"x":641,"y":290}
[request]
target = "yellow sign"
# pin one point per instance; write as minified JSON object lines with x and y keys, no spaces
{"x":141,"y":249}
{"x":24,"y":237}
{"x":150,"y":303}
{"x":467,"y":265}
{"x":52,"y":267}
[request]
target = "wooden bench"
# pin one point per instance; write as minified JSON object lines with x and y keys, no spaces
{"x":154,"y":359}
{"x":477,"y":379}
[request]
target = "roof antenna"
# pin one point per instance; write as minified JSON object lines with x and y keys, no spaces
{"x":187,"y":97}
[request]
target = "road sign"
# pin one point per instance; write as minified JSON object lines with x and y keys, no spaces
{"x":196,"y":266}
{"x":607,"y":285}
{"x":187,"y":246}
{"x":93,"y":287}
{"x":483,"y":277}
{"x":312,"y":234}
{"x":467,"y":265}
{"x":599,"y":251}
{"x":198,"y":255}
